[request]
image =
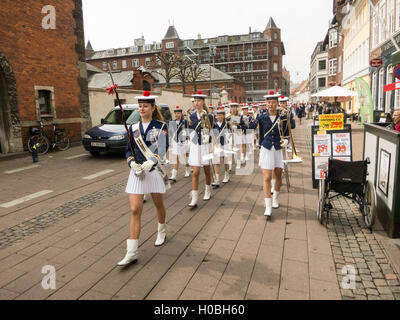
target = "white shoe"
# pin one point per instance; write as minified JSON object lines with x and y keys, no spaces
{"x":242,"y":159}
{"x":187,"y":172}
{"x":273,"y":186}
{"x":247,"y":157}
{"x":230,"y":167}
{"x":195,"y":198}
{"x":268,"y":207}
{"x":207,"y":193}
{"x":275,"y":202}
{"x":173,"y":175}
{"x":145,"y":197}
{"x":237,"y":165}
{"x":216,"y":182}
{"x":132,"y":253}
{"x":226,"y":178}
{"x":162,"y":234}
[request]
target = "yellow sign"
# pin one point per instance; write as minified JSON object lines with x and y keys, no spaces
{"x":331,"y":122}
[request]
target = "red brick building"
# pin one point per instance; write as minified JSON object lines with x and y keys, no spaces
{"x":254,"y":58}
{"x":43,"y":73}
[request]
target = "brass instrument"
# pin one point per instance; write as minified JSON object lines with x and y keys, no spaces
{"x":295,"y":158}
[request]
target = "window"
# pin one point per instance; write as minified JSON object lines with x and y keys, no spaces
{"x":124,"y":65}
{"x":321,"y":83}
{"x":276,"y":83}
{"x":237,"y":68}
{"x":44,"y":102}
{"x":254,"y":36}
{"x":223,"y":39}
{"x":223,"y":68}
{"x":135,"y":63}
{"x":276,"y":66}
{"x":249,"y":53}
{"x":147,"y":62}
{"x":375,"y":27}
{"x":380,"y":90}
{"x":389,"y":79}
{"x":222,"y":54}
{"x":275,"y":36}
{"x":321,"y":65}
{"x":170,"y":45}
{"x":391,"y":19}
{"x":158,"y":46}
{"x":237,"y":54}
{"x":105,"y":66}
{"x":382,"y":22}
{"x":147,"y":47}
{"x":397,"y":18}
{"x":276,"y":51}
{"x":189,"y":43}
{"x":340,"y":63}
{"x":134,"y":49}
{"x":250,"y":67}
{"x":115,"y":64}
{"x":332,"y":67}
{"x":332,"y":38}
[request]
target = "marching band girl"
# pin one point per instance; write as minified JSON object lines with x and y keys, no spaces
{"x":200,"y":146}
{"x":222,"y":132}
{"x":271,"y":155}
{"x":179,"y":143}
{"x":149,"y":144}
{"x":237,"y":133}
{"x":248,"y":124}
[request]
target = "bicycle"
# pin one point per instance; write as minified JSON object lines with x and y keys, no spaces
{"x":60,"y":140}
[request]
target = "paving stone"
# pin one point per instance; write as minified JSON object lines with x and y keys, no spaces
{"x":390,"y":276}
{"x":366,"y":277}
{"x":372,"y":292}
{"x":384,"y":290}
{"x":387,"y":297}
{"x":369,"y":285}
{"x":380,"y":282}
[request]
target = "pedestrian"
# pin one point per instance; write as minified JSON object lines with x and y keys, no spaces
{"x":396,"y":120}
{"x":300,"y":112}
{"x":247,"y":124}
{"x":237,"y":136}
{"x":151,"y":133}
{"x":200,"y":146}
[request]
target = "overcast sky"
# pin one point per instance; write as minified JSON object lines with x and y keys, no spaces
{"x":116,"y":23}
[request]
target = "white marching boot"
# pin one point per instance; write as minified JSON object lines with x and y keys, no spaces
{"x":268,"y":207}
{"x":242,"y":158}
{"x":273,"y":186}
{"x":173,"y":175}
{"x":187,"y":172}
{"x":275,"y":202}
{"x":226,"y":178}
{"x":207,"y":193}
{"x":132,"y":253}
{"x":247,"y":158}
{"x":230,"y":167}
{"x":161,"y":236}
{"x":195,"y":198}
{"x":238,"y":164}
{"x":216,"y":181}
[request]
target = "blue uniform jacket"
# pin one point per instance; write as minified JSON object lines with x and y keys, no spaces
{"x":252,"y":124}
{"x":155,"y":137}
{"x":182,"y":125}
{"x":196,"y":126}
{"x":223,"y":135}
{"x":273,"y":139}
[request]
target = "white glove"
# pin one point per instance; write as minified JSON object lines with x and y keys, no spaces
{"x":147,"y":166}
{"x":285,"y":143}
{"x":135,"y":166}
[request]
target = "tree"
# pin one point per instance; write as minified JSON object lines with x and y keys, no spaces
{"x":165,"y":65}
{"x":183,"y":71}
{"x":197,"y":72}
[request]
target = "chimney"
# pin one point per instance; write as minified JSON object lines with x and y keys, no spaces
{"x":199,"y":36}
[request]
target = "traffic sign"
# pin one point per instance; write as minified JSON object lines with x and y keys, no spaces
{"x":396,"y":71}
{"x":376,"y":63}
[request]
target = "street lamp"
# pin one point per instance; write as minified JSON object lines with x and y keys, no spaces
{"x":213,"y":53}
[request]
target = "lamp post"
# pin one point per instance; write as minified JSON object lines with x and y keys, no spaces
{"x":213,"y":53}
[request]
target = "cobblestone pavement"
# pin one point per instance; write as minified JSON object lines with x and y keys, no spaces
{"x":35,"y":225}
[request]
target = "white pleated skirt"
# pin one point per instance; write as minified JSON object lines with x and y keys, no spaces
{"x":196,"y":154}
{"x":270,"y":159}
{"x":179,"y":148}
{"x":151,"y":183}
{"x":248,"y":138}
{"x":227,"y":156}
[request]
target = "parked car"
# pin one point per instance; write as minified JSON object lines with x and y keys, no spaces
{"x":110,"y":135}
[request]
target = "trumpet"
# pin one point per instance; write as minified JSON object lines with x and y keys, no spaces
{"x":295,"y":158}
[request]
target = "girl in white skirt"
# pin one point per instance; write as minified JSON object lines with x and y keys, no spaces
{"x":144,"y":179}
{"x":222,"y":133}
{"x":271,"y":156}
{"x":234,"y":120}
{"x":248,"y":125}
{"x":179,"y":143}
{"x":200,"y":146}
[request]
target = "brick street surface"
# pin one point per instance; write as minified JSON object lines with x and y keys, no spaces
{"x":224,"y":249}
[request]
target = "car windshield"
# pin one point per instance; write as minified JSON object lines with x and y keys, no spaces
{"x":115,"y":116}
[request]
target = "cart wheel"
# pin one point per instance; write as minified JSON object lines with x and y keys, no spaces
{"x":369,"y":205}
{"x":321,"y":202}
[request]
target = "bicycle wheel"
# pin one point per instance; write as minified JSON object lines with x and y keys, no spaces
{"x":321,"y":202}
{"x":369,"y":208}
{"x":42,"y":144}
{"x":62,"y":141}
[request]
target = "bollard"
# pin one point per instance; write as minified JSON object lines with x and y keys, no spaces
{"x":35,"y":157}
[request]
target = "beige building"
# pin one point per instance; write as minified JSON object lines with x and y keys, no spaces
{"x":356,"y":33}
